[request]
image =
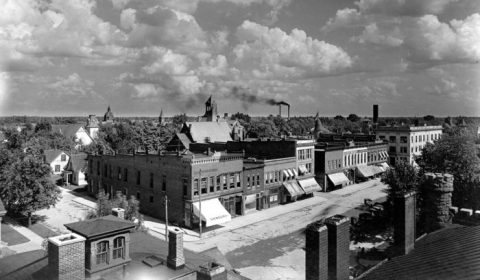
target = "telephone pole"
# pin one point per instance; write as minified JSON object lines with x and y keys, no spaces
{"x":166,"y":218}
{"x":200,"y":202}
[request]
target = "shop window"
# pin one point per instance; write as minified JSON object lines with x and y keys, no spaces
{"x":102,"y":253}
{"x":212,"y":184}
{"x":119,"y":248}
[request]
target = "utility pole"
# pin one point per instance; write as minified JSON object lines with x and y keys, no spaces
{"x":200,"y":202}
{"x":166,"y":218}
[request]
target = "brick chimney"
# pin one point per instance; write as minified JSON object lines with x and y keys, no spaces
{"x":438,"y":200}
{"x":118,"y":212}
{"x":175,"y":258}
{"x":212,"y":271}
{"x":66,"y":256}
{"x":404,"y":222}
{"x":338,"y":247}
{"x":316,"y":252}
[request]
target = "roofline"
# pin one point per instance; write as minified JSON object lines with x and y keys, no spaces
{"x":102,"y":234}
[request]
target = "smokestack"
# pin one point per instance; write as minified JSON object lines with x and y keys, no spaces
{"x":404,"y":222}
{"x":375,"y":113}
{"x":338,"y":247}
{"x":280,"y":110}
{"x":175,"y":258}
{"x":288,"y":115}
{"x":316,"y":252}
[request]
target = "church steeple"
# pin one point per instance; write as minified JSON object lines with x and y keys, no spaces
{"x":210,"y":110}
{"x":108,"y":117}
{"x":160,"y":118}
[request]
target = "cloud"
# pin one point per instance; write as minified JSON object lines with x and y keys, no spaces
{"x":403,"y":7}
{"x":272,"y":53}
{"x":72,"y":85}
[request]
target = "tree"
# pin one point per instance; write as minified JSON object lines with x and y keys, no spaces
{"x":428,"y":118}
{"x":179,"y":119}
{"x":105,"y":205}
{"x":455,"y":154}
{"x":339,"y":117}
{"x":241,"y":116}
{"x":25,"y":184}
{"x":353,"y":118}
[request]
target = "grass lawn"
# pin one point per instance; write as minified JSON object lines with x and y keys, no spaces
{"x":11,"y":236}
{"x":43,"y":231}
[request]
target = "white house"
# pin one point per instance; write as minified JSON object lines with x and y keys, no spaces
{"x":57,"y":160}
{"x":76,"y":169}
{"x":76,"y":132}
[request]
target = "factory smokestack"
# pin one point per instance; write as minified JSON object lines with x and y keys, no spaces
{"x":288,"y":115}
{"x":280,"y":110}
{"x":375,"y":113}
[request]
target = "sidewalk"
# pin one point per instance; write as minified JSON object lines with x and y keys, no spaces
{"x":35,"y":242}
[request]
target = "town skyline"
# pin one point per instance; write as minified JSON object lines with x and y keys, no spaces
{"x":334,"y":57}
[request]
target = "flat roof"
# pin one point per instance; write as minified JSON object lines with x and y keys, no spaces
{"x":100,"y":226}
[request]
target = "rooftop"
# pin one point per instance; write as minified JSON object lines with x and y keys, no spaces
{"x":100,"y":226}
{"x":408,"y":128}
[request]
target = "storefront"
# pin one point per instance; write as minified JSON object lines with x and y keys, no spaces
{"x":211,"y":211}
{"x":309,"y":185}
{"x":291,"y":191}
{"x":250,"y":203}
{"x":338,"y":179}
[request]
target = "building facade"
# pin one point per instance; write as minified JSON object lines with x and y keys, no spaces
{"x":406,"y":142}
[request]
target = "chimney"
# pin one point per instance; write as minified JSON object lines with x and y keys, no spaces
{"x":338,"y":247}
{"x":280,"y":110}
{"x":212,"y":271}
{"x":288,"y":111}
{"x":175,"y":259}
{"x":316,"y":252}
{"x":375,"y":113}
{"x":438,"y":201}
{"x":404,"y":222}
{"x":66,"y":256}
{"x":118,"y":212}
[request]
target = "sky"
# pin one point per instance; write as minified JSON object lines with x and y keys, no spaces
{"x":335,"y":57}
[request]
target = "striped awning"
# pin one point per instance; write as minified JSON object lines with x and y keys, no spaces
{"x":293,"y":188}
{"x":338,"y":178}
{"x":309,"y":185}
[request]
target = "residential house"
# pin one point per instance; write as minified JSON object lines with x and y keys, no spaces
{"x":76,"y":132}
{"x":76,"y":170}
{"x":57,"y":159}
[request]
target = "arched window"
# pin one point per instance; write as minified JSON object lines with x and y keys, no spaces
{"x":102,"y":252}
{"x":119,"y":248}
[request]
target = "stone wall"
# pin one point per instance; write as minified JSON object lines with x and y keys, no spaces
{"x":439,"y":188}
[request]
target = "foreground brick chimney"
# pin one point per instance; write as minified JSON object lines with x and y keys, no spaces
{"x":338,"y":247}
{"x":438,"y":200}
{"x":118,"y":212}
{"x":175,"y":257}
{"x":404,"y":222}
{"x":66,"y":257}
{"x":212,"y":271}
{"x":316,"y":252}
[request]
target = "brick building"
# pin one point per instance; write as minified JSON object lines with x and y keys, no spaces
{"x":406,"y":142}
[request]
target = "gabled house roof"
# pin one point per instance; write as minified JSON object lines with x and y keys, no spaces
{"x":204,"y":132}
{"x":78,"y":162}
{"x":67,"y":130}
{"x":51,"y":155}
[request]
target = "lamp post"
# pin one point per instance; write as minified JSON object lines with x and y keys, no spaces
{"x":200,"y":203}
{"x":166,"y":218}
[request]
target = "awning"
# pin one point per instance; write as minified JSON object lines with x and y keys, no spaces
{"x":293,"y":188}
{"x":213,"y":212}
{"x":286,"y":173}
{"x":365,"y":171}
{"x":295,"y":172}
{"x":385,"y":155}
{"x":377,"y":169}
{"x":302,"y":168}
{"x":290,"y":173}
{"x":338,"y":178}
{"x":309,"y":185}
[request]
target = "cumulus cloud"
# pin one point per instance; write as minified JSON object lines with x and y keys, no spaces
{"x":272,"y":53}
{"x":72,"y":85}
{"x":403,"y":7}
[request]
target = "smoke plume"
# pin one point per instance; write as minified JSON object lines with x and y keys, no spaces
{"x":249,"y":98}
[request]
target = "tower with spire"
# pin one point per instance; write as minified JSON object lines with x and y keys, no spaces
{"x":160,"y":118}
{"x":108,"y":117}
{"x":210,"y":110}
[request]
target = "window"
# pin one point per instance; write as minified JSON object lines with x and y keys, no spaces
{"x":248,"y":181}
{"x":119,"y":173}
{"x":274,"y":198}
{"x":138,"y":177}
{"x":403,"y":139}
{"x":309,"y":153}
{"x":151,"y":199}
{"x":124,"y":191}
{"x":212,"y":184}
{"x":204,"y":185}
{"x":102,"y":252}
{"x":309,"y":167}
{"x":63,"y":157}
{"x":219,"y":184}
{"x":125,"y":174}
{"x":105,"y":170}
{"x":237,"y":180}
{"x":185,"y":186}
{"x":393,"y":139}
{"x":138,"y":196}
{"x":301,"y":154}
{"x":164,"y":182}
{"x":151,"y":180}
{"x":195,"y":187}
{"x":403,"y":150}
{"x":231,"y":180}
{"x":98,"y":168}
{"x":392,"y":150}
{"x":411,"y":139}
{"x":57,"y":168}
{"x":118,"y":248}
{"x":382,"y":137}
{"x":224,"y":182}
{"x":258,"y":179}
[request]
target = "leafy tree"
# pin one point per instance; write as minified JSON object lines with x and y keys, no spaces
{"x":25,"y":184}
{"x":241,"y":116}
{"x":455,"y":154}
{"x":104,"y":205}
{"x":178,"y":120}
{"x":43,"y":126}
{"x":428,"y":118}
{"x":133,"y":209}
{"x":263,"y":127}
{"x":353,"y":118}
{"x":339,"y":117}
